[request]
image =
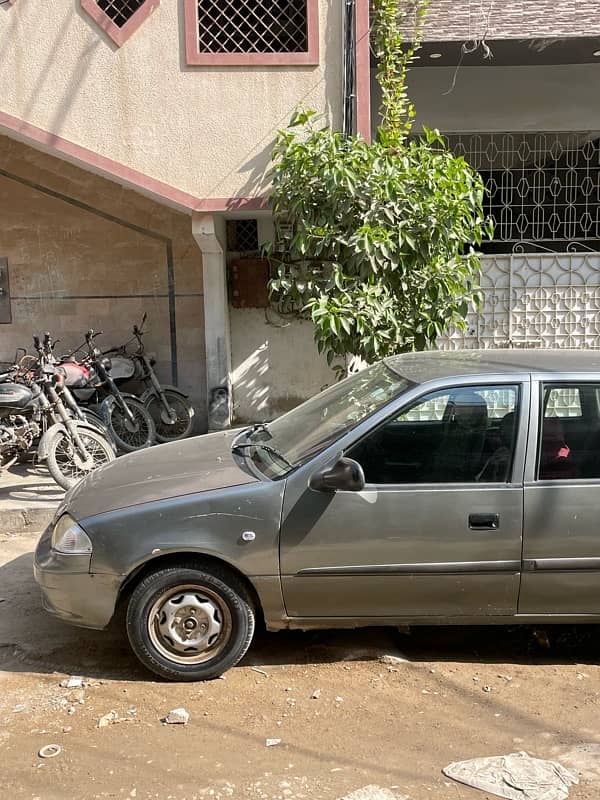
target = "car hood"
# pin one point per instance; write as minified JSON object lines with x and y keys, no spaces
{"x":169,"y":470}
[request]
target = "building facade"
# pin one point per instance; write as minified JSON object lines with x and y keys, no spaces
{"x":135,"y":139}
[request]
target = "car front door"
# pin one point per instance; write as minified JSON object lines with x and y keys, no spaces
{"x":436,"y":530}
{"x":561,"y":541}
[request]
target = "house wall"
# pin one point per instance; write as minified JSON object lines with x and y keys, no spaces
{"x":205,"y":130}
{"x":85,"y":253}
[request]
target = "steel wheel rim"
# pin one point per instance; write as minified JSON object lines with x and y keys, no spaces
{"x":179,"y":426}
{"x":189,"y":624}
{"x":66,"y":457}
{"x":122,"y":429}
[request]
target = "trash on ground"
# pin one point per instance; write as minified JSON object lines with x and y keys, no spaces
{"x":50,"y":750}
{"x":260,"y":671}
{"x":272,"y":742}
{"x":112,"y":718}
{"x":74,"y":682}
{"x":178,"y":716}
{"x":516,"y":776}
{"x":316,"y":694}
{"x":393,"y":660}
{"x":374,"y":792}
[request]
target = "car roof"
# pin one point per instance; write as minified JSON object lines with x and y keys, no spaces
{"x":435,"y":364}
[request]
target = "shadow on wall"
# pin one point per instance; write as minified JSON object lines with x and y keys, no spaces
{"x":274,"y":367}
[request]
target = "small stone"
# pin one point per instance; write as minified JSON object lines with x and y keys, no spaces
{"x":339,"y":699}
{"x":67,"y":729}
{"x":74,"y":682}
{"x":77,"y":696}
{"x":486,"y":688}
{"x":108,"y":719}
{"x":316,"y":694}
{"x":178,"y":716}
{"x":19,"y":707}
{"x":133,"y":793}
{"x":272,"y":742}
{"x":71,"y":710}
{"x":393,"y":660}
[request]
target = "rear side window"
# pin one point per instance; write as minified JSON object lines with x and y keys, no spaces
{"x":569,"y":440}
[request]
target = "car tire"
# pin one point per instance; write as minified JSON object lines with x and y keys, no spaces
{"x":187,"y":622}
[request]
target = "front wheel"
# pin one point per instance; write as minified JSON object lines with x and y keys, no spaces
{"x":67,"y":466}
{"x":176,"y":425}
{"x":187,"y":623}
{"x":129,"y":435}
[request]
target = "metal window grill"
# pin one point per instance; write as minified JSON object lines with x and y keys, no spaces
{"x":542,"y":187}
{"x":252,"y":26}
{"x":242,"y":235}
{"x":120,"y":11}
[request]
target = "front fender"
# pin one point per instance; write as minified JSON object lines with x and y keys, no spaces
{"x":44,"y":443}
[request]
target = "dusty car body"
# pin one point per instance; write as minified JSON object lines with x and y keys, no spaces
{"x":451,"y":488}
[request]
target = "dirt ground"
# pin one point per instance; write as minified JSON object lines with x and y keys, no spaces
{"x":345,"y":719}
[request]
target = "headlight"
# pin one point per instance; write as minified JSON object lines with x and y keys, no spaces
{"x":69,"y":538}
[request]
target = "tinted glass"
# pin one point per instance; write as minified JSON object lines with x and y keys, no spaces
{"x":462,"y":435}
{"x":569,"y":441}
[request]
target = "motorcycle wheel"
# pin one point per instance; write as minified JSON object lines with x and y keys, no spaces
{"x":64,"y":463}
{"x":96,"y":421}
{"x":127,"y":436}
{"x":181,"y":426}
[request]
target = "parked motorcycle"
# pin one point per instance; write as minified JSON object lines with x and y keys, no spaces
{"x":33,"y":416}
{"x":92,"y":384}
{"x":170,"y":408}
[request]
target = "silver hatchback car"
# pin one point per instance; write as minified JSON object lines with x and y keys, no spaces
{"x":431,"y":488}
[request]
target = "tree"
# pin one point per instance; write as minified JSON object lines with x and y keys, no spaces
{"x":378,"y":239}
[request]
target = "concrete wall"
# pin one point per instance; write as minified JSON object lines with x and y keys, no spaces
{"x":275,"y":364}
{"x":544,"y":98}
{"x":273,"y":368}
{"x":510,"y":19}
{"x":85,"y":253}
{"x":205,"y":130}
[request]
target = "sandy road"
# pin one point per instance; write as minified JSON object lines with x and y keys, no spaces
{"x":462,"y":693}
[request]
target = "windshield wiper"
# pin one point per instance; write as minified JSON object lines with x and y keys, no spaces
{"x":272,"y":450}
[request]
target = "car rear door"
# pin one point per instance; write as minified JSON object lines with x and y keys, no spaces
{"x":561,"y":538}
{"x":432,"y":534}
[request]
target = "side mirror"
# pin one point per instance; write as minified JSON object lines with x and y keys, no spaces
{"x":345,"y":475}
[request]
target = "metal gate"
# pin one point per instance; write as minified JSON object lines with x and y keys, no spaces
{"x":534,"y":297}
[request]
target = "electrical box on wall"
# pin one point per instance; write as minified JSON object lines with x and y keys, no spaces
{"x":5,"y":310}
{"x":249,"y":283}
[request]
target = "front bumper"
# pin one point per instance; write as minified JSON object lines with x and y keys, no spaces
{"x":70,"y":591}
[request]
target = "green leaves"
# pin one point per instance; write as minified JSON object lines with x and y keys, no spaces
{"x":375,"y":242}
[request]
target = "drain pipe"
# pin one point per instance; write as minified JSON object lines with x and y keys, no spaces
{"x":349,"y":59}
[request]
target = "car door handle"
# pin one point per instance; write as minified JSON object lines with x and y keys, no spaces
{"x":484,"y":522}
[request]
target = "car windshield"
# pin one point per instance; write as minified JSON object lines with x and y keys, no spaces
{"x":301,"y":433}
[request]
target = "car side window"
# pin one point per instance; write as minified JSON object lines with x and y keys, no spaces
{"x":465,"y":434}
{"x":569,"y":438}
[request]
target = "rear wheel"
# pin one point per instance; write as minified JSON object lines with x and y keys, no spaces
{"x":129,"y":435}
{"x":171,"y":427}
{"x":187,"y":623}
{"x":67,"y":466}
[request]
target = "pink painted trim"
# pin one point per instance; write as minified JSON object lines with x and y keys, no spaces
{"x":363,"y":71}
{"x":126,"y":176}
{"x":195,"y":58}
{"x":119,"y":35}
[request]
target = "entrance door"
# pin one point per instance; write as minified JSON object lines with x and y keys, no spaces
{"x":437,"y":530}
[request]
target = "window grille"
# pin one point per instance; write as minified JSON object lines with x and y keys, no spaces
{"x":541,"y":187}
{"x":242,"y":235}
{"x":120,"y":11}
{"x":252,"y":26}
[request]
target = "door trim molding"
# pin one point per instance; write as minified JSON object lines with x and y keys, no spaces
{"x":436,"y":568}
{"x":560,"y":564}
